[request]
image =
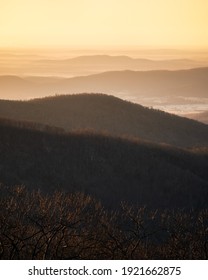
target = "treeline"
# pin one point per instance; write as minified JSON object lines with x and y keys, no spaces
{"x":77,"y":226}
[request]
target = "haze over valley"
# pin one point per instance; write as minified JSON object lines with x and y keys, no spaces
{"x":160,"y":84}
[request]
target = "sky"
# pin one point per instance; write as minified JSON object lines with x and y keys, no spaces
{"x":104,"y":23}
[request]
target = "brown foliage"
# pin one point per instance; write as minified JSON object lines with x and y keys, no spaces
{"x":76,"y":226}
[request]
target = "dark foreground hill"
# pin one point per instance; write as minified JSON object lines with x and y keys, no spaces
{"x":109,"y":114}
{"x":110,"y":169}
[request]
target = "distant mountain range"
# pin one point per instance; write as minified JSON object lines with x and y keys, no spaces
{"x":108,"y":114}
{"x":106,"y":63}
{"x":188,"y":83}
{"x":89,"y":64}
{"x":110,"y":169}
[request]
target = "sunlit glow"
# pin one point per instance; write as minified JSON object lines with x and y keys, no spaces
{"x":98,"y":23}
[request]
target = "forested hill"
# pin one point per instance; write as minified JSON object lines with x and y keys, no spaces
{"x":104,"y":113}
{"x":109,"y":168}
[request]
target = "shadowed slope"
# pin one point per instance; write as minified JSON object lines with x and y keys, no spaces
{"x":110,"y":169}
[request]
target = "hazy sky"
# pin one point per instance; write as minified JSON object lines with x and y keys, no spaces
{"x":104,"y":23}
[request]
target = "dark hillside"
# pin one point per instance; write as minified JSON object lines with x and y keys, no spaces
{"x":108,"y":168}
{"x":103,"y":113}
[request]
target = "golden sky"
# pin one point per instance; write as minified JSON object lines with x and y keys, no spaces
{"x":104,"y":23}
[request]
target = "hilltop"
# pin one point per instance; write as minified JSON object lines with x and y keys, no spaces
{"x":108,"y":114}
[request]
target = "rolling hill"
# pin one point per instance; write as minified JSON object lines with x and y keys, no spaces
{"x":108,"y":168}
{"x":107,"y":114}
{"x":160,"y":83}
{"x":192,"y":82}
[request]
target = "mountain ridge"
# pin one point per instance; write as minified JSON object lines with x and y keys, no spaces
{"x":109,"y":168}
{"x":105,"y":113}
{"x":159,"y":83}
